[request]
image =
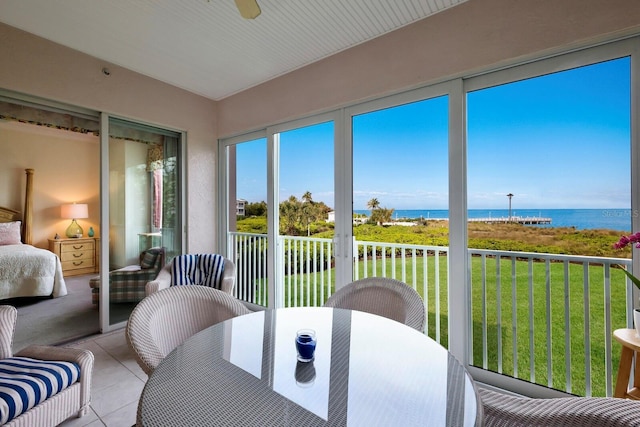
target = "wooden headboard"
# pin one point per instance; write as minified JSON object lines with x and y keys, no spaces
{"x":9,"y":215}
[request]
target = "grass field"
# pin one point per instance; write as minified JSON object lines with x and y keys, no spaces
{"x":514,"y":339}
{"x":534,"y":353}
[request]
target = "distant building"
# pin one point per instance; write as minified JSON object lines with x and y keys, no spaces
{"x":240,"y":204}
{"x":331,"y":217}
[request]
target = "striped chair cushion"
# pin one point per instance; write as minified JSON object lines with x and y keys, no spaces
{"x":25,"y":382}
{"x":197,"y":269}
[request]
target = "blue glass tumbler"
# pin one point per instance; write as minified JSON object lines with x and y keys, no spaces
{"x":306,"y":344}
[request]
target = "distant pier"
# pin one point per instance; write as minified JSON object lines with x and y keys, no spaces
{"x":525,"y":220}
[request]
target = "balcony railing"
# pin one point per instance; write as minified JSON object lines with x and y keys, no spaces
{"x":543,"y":318}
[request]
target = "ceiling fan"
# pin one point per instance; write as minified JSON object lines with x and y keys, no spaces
{"x":248,"y":9}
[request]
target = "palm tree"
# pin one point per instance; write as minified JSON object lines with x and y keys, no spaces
{"x":307,"y":210}
{"x":373,"y":204}
{"x":306,"y":197}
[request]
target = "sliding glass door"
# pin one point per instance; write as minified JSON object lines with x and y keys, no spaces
{"x":144,"y":211}
{"x":305,"y":189}
{"x":278,"y":225}
{"x":401,"y":199}
{"x":246,"y":232}
{"x":549,"y":173}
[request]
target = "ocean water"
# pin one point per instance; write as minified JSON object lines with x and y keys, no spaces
{"x":582,"y":219}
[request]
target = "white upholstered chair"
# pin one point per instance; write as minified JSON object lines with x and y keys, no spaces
{"x":382,"y":296}
{"x":502,"y":410}
{"x":164,"y":278}
{"x":72,"y":400}
{"x":164,"y":319}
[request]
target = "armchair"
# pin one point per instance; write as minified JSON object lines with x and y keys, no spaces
{"x":162,"y":321}
{"x":164,"y":278}
{"x":28,"y":398}
{"x":503,"y":410}
{"x":384,"y":297}
{"x":127,"y":284}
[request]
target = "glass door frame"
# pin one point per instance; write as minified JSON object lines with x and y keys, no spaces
{"x":563,"y":62}
{"x":105,"y":325}
{"x":271,"y":133}
{"x":459,"y":318}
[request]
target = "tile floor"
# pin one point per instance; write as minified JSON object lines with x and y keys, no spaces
{"x":117,"y":382}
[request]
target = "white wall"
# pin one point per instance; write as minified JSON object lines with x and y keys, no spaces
{"x":37,"y":67}
{"x":56,"y":179}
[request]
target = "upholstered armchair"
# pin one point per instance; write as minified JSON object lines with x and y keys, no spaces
{"x":127,"y":284}
{"x":165,"y":276}
{"x":41,"y":385}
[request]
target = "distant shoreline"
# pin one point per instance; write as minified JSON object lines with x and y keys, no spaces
{"x":587,"y":218}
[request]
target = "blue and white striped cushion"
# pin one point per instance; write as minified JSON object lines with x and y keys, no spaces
{"x":183,"y":270}
{"x":25,"y":382}
{"x":197,"y":269}
{"x":211,"y":269}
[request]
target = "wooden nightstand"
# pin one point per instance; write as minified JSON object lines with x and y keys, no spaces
{"x":78,"y":256}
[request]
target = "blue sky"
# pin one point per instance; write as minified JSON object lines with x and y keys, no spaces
{"x":556,"y":141}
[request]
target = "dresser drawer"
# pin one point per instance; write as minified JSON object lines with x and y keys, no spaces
{"x":78,"y":263}
{"x":77,"y":256}
{"x":73,"y":247}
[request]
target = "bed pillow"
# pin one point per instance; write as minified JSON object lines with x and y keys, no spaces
{"x":10,"y":233}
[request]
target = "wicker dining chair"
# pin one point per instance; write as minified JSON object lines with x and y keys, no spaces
{"x":502,"y":410}
{"x":163,"y":320}
{"x":385,"y":297}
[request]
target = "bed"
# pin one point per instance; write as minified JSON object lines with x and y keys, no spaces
{"x":26,"y":271}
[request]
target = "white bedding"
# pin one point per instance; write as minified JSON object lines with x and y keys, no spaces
{"x":27,"y":271}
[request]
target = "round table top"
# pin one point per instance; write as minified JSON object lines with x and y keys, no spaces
{"x":367,"y":370}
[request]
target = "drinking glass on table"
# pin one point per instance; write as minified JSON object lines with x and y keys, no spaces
{"x":306,"y":344}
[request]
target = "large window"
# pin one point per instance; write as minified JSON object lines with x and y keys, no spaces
{"x":247,"y":204}
{"x":498,"y":197}
{"x":401,"y":194}
{"x":306,"y":204}
{"x":549,"y":172}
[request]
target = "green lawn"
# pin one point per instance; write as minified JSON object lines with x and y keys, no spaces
{"x":554,"y":318}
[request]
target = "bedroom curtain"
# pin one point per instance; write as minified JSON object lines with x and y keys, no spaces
{"x":155,"y":162}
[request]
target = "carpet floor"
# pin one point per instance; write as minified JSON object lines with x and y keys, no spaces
{"x":56,"y":320}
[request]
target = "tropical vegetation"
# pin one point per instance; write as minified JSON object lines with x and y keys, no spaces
{"x":305,"y":217}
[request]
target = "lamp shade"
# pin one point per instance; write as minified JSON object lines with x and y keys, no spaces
{"x":74,"y":211}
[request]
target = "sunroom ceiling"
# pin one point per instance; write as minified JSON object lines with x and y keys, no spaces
{"x":205,"y":46}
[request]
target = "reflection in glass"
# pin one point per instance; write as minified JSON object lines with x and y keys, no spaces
{"x":305,"y":374}
{"x":144,"y":209}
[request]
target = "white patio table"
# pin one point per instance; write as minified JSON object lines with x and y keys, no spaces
{"x":367,"y":371}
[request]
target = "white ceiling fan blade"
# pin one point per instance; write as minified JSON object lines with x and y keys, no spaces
{"x":248,"y":9}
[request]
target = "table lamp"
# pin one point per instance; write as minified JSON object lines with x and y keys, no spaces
{"x":74,"y":211}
